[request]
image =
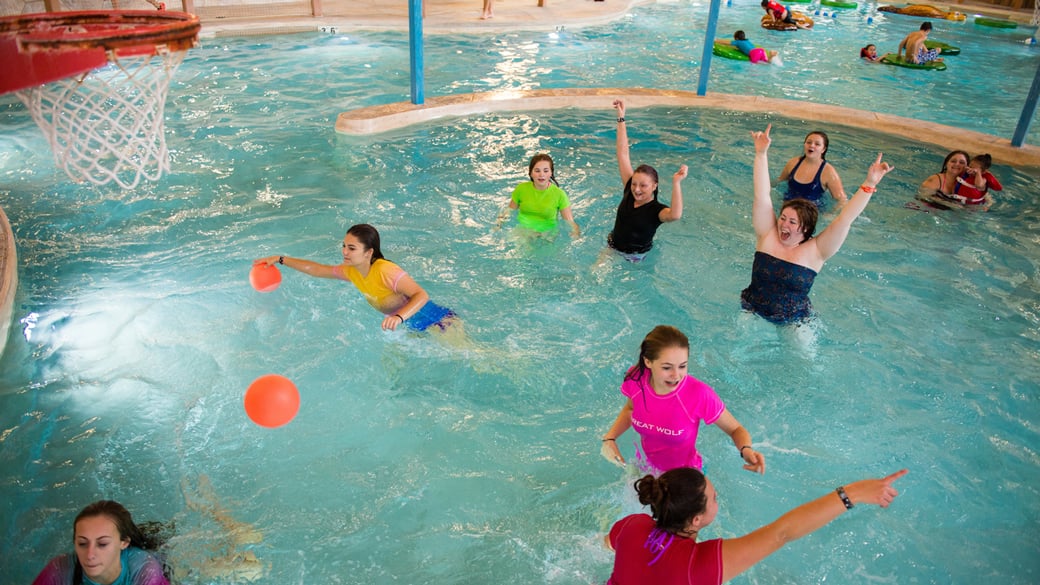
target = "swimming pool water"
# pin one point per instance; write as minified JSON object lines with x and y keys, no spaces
{"x":417,"y":463}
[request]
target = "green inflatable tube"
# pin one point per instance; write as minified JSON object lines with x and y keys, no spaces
{"x":944,"y":49}
{"x":728,"y":51}
{"x":995,"y":22}
{"x":890,"y":59}
{"x":838,"y":4}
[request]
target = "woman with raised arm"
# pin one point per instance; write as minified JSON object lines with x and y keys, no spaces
{"x":640,"y":213}
{"x":787,"y":255}
{"x":662,"y":549}
{"x":385,"y":285}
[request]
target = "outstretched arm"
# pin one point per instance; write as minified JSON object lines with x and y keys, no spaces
{"x":763,"y":218}
{"x":674,"y":213}
{"x":830,"y":240}
{"x":624,"y":163}
{"x":753,"y":460}
{"x":740,"y":554}
{"x":305,"y":266}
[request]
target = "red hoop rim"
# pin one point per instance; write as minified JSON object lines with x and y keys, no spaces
{"x":45,"y":47}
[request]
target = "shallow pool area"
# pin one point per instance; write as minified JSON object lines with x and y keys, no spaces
{"x":410,"y":461}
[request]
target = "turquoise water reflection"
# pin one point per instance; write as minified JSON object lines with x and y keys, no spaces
{"x":414,"y":462}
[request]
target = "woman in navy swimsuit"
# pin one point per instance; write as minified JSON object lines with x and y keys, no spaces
{"x":810,"y":175}
{"x":787,"y":256}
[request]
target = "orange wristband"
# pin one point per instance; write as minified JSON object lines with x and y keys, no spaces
{"x":867,"y":189}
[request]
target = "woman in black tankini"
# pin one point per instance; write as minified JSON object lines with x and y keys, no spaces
{"x":640,"y":213}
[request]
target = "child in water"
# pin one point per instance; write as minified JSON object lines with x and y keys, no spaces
{"x":778,"y":11}
{"x":869,"y":54}
{"x":755,"y":54}
{"x":976,"y":181}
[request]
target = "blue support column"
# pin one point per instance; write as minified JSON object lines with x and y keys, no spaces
{"x":415,"y":50}
{"x":709,"y":42}
{"x":1028,"y":110}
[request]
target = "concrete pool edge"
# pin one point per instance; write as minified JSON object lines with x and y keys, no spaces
{"x":387,"y":117}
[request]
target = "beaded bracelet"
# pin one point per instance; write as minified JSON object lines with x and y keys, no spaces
{"x":844,"y":497}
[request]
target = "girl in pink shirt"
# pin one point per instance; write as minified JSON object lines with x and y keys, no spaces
{"x":666,"y":406}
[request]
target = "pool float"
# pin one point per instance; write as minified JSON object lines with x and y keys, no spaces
{"x":995,"y":22}
{"x":891,"y":59}
{"x":728,"y":51}
{"x":801,"y":20}
{"x":944,"y":49}
{"x":923,"y":10}
{"x":838,"y":4}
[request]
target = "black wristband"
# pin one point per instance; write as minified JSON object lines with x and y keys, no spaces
{"x":605,"y":440}
{"x":742,"y":450}
{"x":621,"y":119}
{"x":398,"y":315}
{"x":281,"y":259}
{"x":844,"y":497}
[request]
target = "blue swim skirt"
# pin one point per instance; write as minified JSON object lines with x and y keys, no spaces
{"x":430,"y":314}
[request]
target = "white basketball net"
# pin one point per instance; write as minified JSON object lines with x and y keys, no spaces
{"x":107,"y":125}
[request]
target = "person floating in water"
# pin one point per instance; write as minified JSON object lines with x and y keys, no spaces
{"x":385,"y":285}
{"x":663,"y":548}
{"x":869,"y":54}
{"x":787,"y":255}
{"x":755,"y":54}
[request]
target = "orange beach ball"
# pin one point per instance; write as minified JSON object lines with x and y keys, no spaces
{"x":272,"y":400}
{"x":265,"y":277}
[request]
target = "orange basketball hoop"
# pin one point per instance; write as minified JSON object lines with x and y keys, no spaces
{"x":96,"y":82}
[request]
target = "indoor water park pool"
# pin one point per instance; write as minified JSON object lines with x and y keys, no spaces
{"x":415,"y":461}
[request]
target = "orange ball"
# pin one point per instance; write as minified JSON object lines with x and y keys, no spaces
{"x":265,"y":277}
{"x":272,"y":400}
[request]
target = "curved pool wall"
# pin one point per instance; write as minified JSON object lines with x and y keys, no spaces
{"x":377,"y":119}
{"x":665,"y":42}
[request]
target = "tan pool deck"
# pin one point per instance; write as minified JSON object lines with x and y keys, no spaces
{"x":459,"y":16}
{"x":463,"y":16}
